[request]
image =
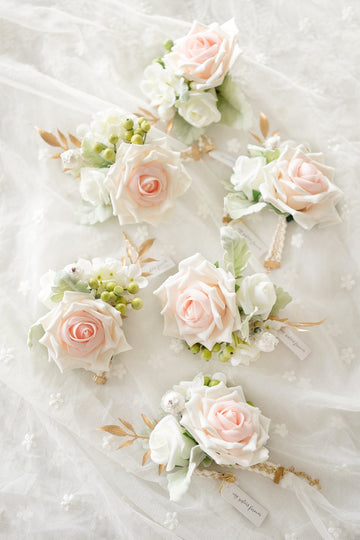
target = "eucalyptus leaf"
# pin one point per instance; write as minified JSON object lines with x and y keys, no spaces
{"x":233,"y":106}
{"x":92,"y":158}
{"x":236,"y":250}
{"x":36,"y":332}
{"x":185,"y":131}
{"x":282,"y":300}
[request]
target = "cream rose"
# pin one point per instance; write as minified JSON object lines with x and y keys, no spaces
{"x":205,"y":54}
{"x":256,"y":295}
{"x":200,"y":110}
{"x":199,"y":303}
{"x":300,"y":184}
{"x":248,"y":175}
{"x":92,"y":187}
{"x":229,"y":430}
{"x":169,"y":445}
{"x":81,"y":332}
{"x":144,"y":181}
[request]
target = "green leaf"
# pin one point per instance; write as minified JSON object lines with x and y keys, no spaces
{"x":271,"y":155}
{"x":236,"y":250}
{"x":233,"y":106}
{"x":237,"y":206}
{"x":92,"y":158}
{"x":36,"y":332}
{"x":216,"y":263}
{"x":67,"y":283}
{"x":189,"y":436}
{"x":282,"y":300}
{"x":256,"y":195}
{"x":185,"y":131}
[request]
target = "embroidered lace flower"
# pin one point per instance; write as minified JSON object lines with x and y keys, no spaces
{"x":122,"y":173}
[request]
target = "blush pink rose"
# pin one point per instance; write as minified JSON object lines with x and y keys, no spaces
{"x":300,"y":184}
{"x":228,"y":429}
{"x":205,"y":54}
{"x":81,"y":332}
{"x":144,"y":181}
{"x":199,"y":303}
{"x":148,"y":184}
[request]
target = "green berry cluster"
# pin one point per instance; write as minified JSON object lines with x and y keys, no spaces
{"x":133,"y":134}
{"x":223,"y":350}
{"x":208,"y":381}
{"x":115,"y":295}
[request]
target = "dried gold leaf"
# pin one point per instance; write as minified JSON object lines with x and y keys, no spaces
{"x":146,"y":457}
{"x":226,"y":219}
{"x":146,"y":274}
{"x":75,"y":140}
{"x":256,"y":137}
{"x":145,"y":246}
{"x":275,"y":133}
{"x":161,"y":468}
{"x":123,"y":261}
{"x":127,"y":425}
{"x":56,"y":156}
{"x":129,"y":241}
{"x":114,"y":430}
{"x":169,"y":126}
{"x":264,"y":125}
{"x":150,"y":259}
{"x":63,"y":139}
{"x":126,"y":443}
{"x":147,"y":421}
{"x":49,"y":138}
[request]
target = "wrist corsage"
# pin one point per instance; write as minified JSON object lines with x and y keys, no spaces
{"x":207,"y":423}
{"x":190,"y":86}
{"x":120,"y":170}
{"x":221,"y":312}
{"x":287,"y":178}
{"x":88,"y":300}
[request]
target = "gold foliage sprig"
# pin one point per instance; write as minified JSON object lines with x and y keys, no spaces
{"x":119,"y":431}
{"x":204,"y":145}
{"x":264,"y":129}
{"x":59,"y":141}
{"x":136,"y":254}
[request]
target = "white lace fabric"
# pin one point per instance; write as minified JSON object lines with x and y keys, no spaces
{"x":60,"y":478}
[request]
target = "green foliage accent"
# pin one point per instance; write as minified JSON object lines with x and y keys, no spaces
{"x":189,"y":436}
{"x":66,"y":283}
{"x":36,"y":332}
{"x":236,"y":250}
{"x":256,"y":195}
{"x":92,"y":158}
{"x":185,"y":131}
{"x":271,"y":155}
{"x":231,"y":103}
{"x":282,"y":300}
{"x":216,"y":263}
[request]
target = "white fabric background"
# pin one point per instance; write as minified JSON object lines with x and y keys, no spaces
{"x":60,"y":62}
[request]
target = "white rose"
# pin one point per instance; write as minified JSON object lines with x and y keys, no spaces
{"x":200,"y":110}
{"x":266,"y":341}
{"x":248,"y":175}
{"x":144,"y":181}
{"x":81,"y":332}
{"x":256,"y":295}
{"x":228,"y":429}
{"x":199,"y":303}
{"x":169,"y":445}
{"x":298,"y":183}
{"x":92,"y":188}
{"x":244,"y":354}
{"x":205,"y":54}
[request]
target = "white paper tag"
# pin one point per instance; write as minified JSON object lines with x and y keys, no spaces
{"x":223,"y":158}
{"x":155,"y":268}
{"x":256,"y":245}
{"x":293,"y":342}
{"x":246,"y":505}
